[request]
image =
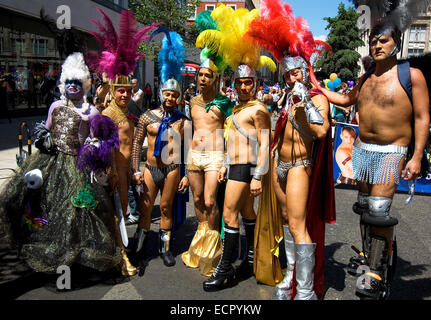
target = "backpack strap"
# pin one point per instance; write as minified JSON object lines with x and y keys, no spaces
{"x":405,"y":78}
{"x":367,"y":75}
{"x":403,"y":75}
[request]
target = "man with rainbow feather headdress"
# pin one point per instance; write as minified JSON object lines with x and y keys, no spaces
{"x":302,"y":150}
{"x":208,"y":112}
{"x":248,"y":169}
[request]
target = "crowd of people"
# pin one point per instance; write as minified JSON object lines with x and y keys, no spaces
{"x":69,"y":203}
{"x":31,"y":90}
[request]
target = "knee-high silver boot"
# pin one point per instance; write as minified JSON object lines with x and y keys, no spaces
{"x":283,"y":290}
{"x":305,"y":261}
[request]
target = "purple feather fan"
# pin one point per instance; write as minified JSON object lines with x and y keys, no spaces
{"x":97,"y":154}
{"x":119,"y":49}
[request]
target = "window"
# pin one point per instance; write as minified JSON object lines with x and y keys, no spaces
{"x":193,"y":16}
{"x":418,"y":33}
{"x":415,"y":52}
{"x":209,"y":7}
{"x":18,"y":46}
{"x":40,"y":47}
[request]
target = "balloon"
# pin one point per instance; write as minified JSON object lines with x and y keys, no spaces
{"x":333,"y":76}
{"x":337,"y":82}
{"x":330,"y":85}
{"x":350,"y":83}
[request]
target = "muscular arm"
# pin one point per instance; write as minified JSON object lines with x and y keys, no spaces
{"x":322,"y":106}
{"x":138,"y":139}
{"x":262,"y":122}
{"x":344,"y":100}
{"x":281,"y":100}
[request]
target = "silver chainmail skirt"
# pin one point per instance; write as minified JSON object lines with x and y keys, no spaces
{"x":374,"y":163}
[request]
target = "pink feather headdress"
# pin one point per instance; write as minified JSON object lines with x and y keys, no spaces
{"x":293,"y":37}
{"x":119,"y":54}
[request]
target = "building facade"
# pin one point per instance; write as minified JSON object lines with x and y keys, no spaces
{"x":29,"y":49}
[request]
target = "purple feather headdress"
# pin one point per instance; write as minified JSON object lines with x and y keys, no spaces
{"x":96,"y":152}
{"x":119,"y":54}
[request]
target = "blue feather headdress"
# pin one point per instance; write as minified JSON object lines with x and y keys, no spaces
{"x":171,"y":56}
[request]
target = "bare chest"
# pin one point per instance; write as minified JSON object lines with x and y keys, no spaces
{"x":203,"y":119}
{"x":126,"y":129}
{"x":384,"y":91}
{"x":173,"y":128}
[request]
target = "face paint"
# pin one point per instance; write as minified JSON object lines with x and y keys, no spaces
{"x":74,"y":90}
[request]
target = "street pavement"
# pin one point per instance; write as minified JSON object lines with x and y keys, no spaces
{"x":157,"y":282}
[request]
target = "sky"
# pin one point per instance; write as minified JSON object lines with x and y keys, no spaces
{"x":314,"y":11}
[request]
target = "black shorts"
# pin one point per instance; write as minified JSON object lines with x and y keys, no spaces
{"x":241,"y":172}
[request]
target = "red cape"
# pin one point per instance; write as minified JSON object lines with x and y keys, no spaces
{"x":321,"y":200}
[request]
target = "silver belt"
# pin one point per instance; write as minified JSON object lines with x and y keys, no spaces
{"x":386,"y":148}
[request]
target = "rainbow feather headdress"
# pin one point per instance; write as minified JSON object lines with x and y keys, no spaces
{"x":210,"y":59}
{"x":293,"y":44}
{"x":231,"y":42}
{"x":119,"y":55}
{"x":170,"y":61}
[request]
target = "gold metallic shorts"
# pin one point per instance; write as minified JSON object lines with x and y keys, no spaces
{"x":205,"y":160}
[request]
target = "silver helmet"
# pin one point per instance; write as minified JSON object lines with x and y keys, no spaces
{"x":172,"y":85}
{"x":289,"y":63}
{"x":245,"y":71}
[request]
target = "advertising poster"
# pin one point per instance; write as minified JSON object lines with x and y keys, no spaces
{"x":345,"y":136}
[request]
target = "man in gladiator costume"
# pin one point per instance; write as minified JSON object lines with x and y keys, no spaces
{"x":302,"y":123}
{"x":208,"y":113}
{"x":250,"y":124}
{"x":164,"y":129}
{"x":117,"y":63}
{"x":379,"y":152}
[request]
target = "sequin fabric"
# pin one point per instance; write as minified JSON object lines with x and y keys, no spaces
{"x":71,"y":235}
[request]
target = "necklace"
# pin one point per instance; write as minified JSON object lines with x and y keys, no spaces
{"x":117,"y":113}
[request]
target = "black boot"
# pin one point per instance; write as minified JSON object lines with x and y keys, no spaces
{"x":165,"y":252}
{"x":140,"y":245}
{"x":224,"y":274}
{"x":245,"y":269}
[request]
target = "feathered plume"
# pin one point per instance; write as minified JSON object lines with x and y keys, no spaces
{"x":96,"y":152}
{"x":293,"y":36}
{"x":171,"y":57}
{"x":119,"y":50}
{"x":400,"y":13}
{"x":231,"y":41}
{"x":204,"y":21}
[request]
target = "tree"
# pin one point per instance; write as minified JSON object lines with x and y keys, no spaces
{"x":344,"y":39}
{"x":174,"y":14}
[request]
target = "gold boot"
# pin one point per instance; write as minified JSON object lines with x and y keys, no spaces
{"x":127,"y":269}
{"x":192,"y":256}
